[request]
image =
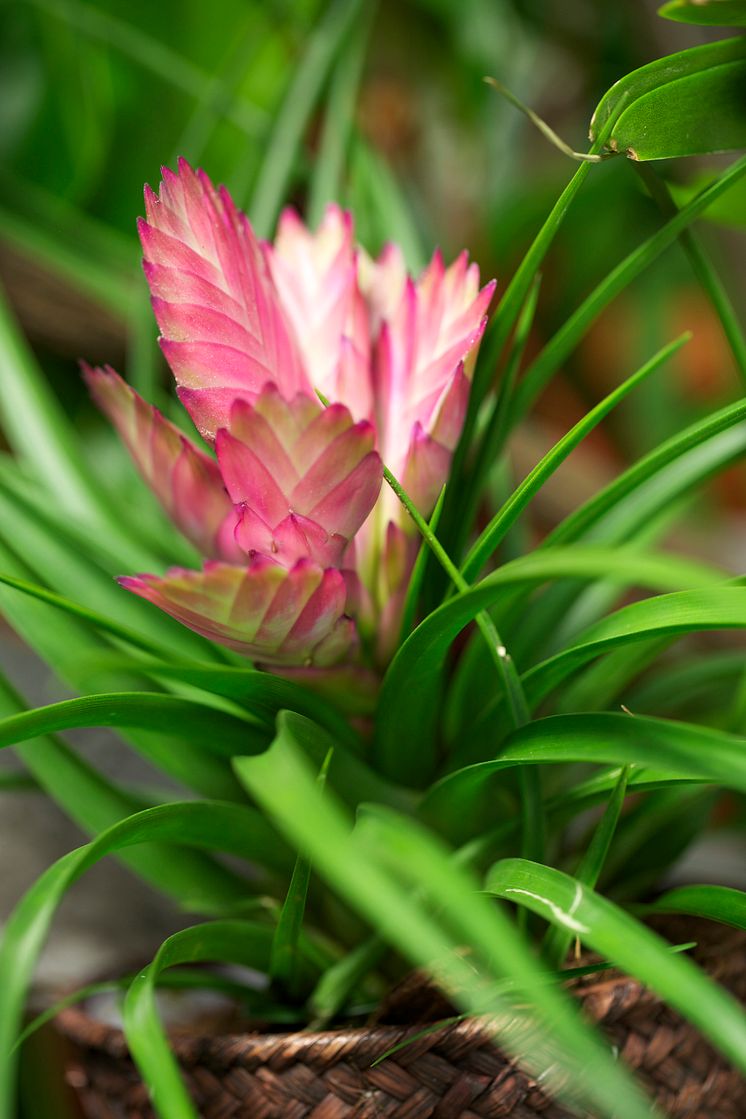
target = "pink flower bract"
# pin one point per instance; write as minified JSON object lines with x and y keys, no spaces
{"x":289,"y":511}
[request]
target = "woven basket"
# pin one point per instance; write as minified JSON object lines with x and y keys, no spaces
{"x":455,"y":1072}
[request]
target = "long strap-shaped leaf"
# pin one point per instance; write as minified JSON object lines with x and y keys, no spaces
{"x":572,"y":330}
{"x":152,"y":54}
{"x":200,"y":824}
{"x":217,"y":731}
{"x":76,"y":654}
{"x":664,"y":616}
{"x":407,"y":708}
{"x":41,"y":435}
{"x":611,"y":738}
{"x":59,"y":561}
{"x":627,"y":507}
{"x":298,"y":103}
{"x":226,"y":942}
{"x":717,"y":903}
{"x":96,"y":803}
{"x":498,"y":333}
{"x":601,"y":925}
{"x":492,"y":536}
{"x":263,"y":693}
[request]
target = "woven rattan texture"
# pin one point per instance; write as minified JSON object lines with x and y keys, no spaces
{"x":453,"y":1073}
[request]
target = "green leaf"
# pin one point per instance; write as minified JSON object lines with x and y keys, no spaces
{"x":660,"y":73}
{"x":692,"y":752}
{"x":63,"y":642}
{"x":214,"y":730}
{"x":152,"y":54}
{"x":515,"y":297}
{"x":60,"y":562}
{"x":609,"y":930}
{"x":284,"y":964}
{"x":560,"y":808}
{"x":408,"y":709}
{"x":262,"y":693}
{"x":197,"y":824}
{"x":339,"y":981}
{"x":231,"y":942}
{"x":693,"y":115}
{"x":653,"y":835}
{"x":561,"y":345}
{"x":414,"y":586}
{"x":717,"y":903}
{"x":646,"y":486}
{"x":42,"y":436}
{"x":496,"y":428}
{"x":96,"y":803}
{"x":706,"y":13}
{"x":383,"y":199}
{"x":665,"y":615}
{"x":328,"y":167}
{"x":100,"y":278}
{"x":15,"y":781}
{"x":373,"y":870}
{"x":98,"y":621}
{"x":157,"y":539}
{"x":177,"y":979}
{"x":703,"y":269}
{"x":353,"y":780}
{"x":597,"y":687}
{"x":493,"y":535}
{"x":626,"y":508}
{"x":299,"y":101}
{"x":559,"y":938}
{"x":36,"y":426}
{"x":689,"y":680}
{"x":730,"y":208}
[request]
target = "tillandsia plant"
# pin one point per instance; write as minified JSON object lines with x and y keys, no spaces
{"x":412,"y":763}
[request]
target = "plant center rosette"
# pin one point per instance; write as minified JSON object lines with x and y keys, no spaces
{"x":304,"y":365}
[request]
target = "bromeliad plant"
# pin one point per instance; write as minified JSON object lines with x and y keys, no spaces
{"x":382,"y":782}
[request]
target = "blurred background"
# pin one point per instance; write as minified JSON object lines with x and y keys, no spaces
{"x":381,"y":106}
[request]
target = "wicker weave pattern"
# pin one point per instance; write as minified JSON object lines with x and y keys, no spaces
{"x":453,"y":1073}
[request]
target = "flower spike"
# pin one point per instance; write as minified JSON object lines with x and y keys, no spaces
{"x":292,"y":514}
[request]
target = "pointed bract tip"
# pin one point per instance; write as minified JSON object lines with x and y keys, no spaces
{"x":133,"y":582}
{"x":289,"y":215}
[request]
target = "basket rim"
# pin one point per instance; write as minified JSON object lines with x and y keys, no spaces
{"x":604,"y":996}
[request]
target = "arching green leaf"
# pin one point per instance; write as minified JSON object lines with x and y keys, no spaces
{"x":601,"y":925}
{"x":706,"y":13}
{"x":409,"y":703}
{"x":611,"y":738}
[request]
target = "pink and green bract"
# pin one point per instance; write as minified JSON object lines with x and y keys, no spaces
{"x":305,"y":552}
